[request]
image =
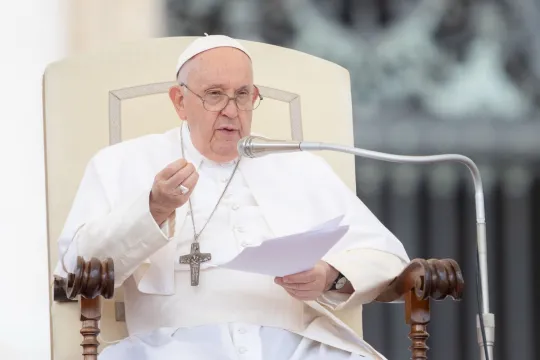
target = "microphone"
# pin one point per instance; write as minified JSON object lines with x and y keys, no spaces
{"x":257,"y":146}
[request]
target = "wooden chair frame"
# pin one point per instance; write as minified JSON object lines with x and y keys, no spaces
{"x":419,"y":283}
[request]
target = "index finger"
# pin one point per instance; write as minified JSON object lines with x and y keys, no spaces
{"x":303,"y":277}
{"x":171,"y":169}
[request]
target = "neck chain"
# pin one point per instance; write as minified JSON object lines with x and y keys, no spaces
{"x":195,"y":234}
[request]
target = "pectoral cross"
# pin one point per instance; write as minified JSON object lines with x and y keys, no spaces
{"x":195,"y":258}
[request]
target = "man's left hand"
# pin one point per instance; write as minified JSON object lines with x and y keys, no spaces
{"x":309,"y":285}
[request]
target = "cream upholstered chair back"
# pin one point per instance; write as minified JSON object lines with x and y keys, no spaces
{"x":95,"y":100}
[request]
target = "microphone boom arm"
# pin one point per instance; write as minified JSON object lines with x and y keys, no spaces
{"x":487,"y":321}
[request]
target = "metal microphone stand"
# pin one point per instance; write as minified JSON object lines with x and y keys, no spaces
{"x":485,"y":321}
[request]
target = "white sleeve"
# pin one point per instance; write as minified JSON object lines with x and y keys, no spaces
{"x":369,"y":272}
{"x":126,"y":233}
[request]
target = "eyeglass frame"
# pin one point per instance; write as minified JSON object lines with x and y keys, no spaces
{"x":228,"y":99}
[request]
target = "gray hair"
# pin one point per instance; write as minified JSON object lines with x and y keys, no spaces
{"x":183,"y":74}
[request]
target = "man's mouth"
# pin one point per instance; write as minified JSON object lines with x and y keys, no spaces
{"x":227,"y":128}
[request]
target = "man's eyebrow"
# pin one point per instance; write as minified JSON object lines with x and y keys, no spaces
{"x":222,"y":86}
{"x":245,"y":87}
{"x":214,"y":86}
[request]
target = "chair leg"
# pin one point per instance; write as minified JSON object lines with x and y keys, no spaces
{"x":417,"y":316}
{"x":90,"y":316}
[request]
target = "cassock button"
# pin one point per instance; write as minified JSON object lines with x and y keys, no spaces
{"x":242,"y":331}
{"x":224,"y":180}
{"x":242,"y":350}
{"x":239,"y":229}
{"x":236,"y":207}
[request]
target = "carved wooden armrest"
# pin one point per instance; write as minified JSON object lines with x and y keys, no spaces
{"x":419,"y":282}
{"x":91,"y":280}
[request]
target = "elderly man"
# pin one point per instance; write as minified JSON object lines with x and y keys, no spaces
{"x":162,"y":205}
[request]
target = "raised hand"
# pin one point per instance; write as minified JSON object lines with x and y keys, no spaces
{"x":167,"y":195}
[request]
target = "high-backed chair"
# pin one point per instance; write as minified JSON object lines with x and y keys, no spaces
{"x":95,"y":100}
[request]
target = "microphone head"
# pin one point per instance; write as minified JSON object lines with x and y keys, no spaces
{"x":257,"y":146}
{"x":243,"y":146}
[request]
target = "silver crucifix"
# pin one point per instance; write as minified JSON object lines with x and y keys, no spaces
{"x":195,"y":258}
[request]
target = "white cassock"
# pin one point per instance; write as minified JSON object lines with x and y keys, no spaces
{"x":231,"y":314}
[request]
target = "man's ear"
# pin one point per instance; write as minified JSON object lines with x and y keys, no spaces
{"x":176,"y":94}
{"x":256,"y":95}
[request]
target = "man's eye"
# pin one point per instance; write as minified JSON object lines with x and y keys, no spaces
{"x":214,"y":93}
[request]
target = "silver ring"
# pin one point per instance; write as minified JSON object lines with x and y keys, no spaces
{"x":184,"y":190}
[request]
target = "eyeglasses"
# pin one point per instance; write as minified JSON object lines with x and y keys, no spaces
{"x":216,"y":101}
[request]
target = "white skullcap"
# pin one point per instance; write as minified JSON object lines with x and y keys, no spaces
{"x":207,"y":42}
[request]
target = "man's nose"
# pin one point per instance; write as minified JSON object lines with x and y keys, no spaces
{"x":230,"y":109}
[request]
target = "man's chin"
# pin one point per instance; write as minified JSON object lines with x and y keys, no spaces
{"x":227,"y":147}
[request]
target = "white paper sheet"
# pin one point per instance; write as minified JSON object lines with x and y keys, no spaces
{"x":290,"y":254}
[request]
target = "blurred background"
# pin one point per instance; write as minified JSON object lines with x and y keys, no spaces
{"x":428,"y":77}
